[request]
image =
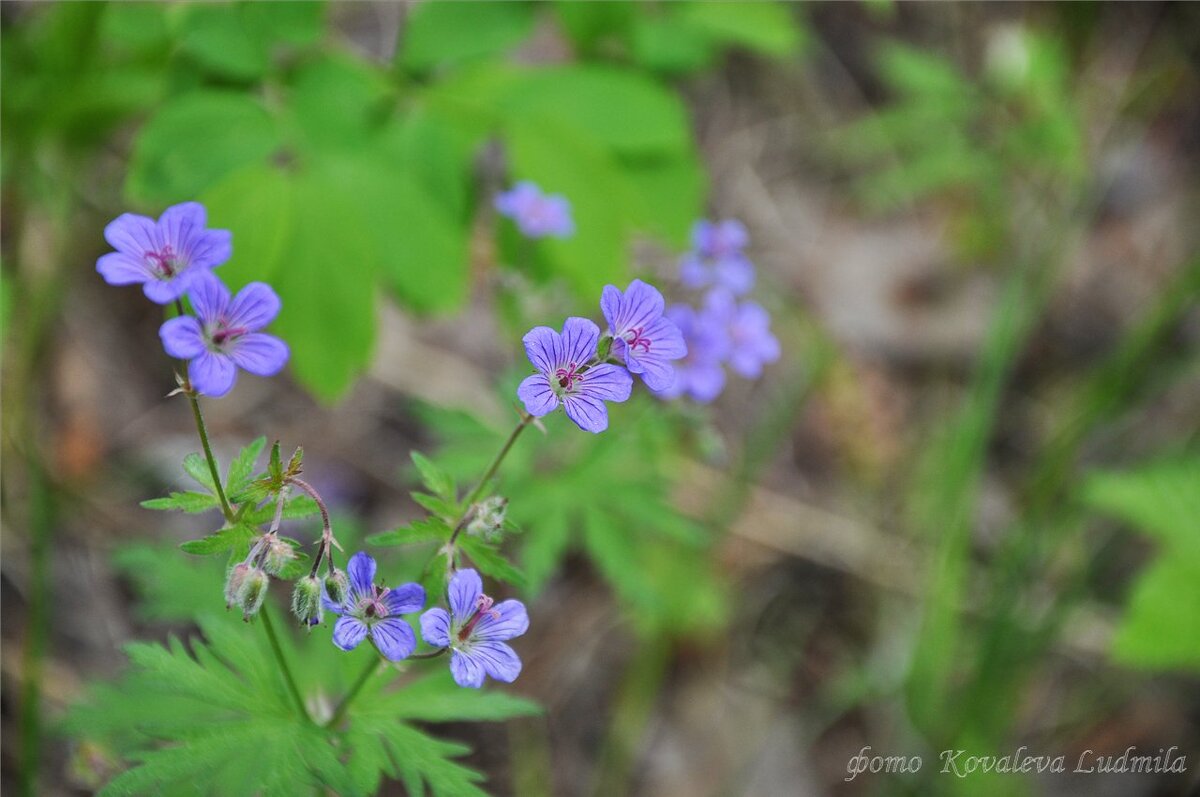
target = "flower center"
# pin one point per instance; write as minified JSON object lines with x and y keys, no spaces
{"x":567,"y":377}
{"x":165,"y":264}
{"x":483,"y":607}
{"x":223,"y":333}
{"x":636,"y":340}
{"x":371,"y":606}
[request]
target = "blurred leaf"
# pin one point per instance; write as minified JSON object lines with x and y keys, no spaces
{"x":765,"y":27}
{"x":919,"y":73}
{"x":241,"y":467}
{"x":336,"y":101}
{"x":621,"y":109}
{"x":1161,"y":626}
{"x":490,"y":561}
{"x":588,"y":24}
{"x":295,"y":22}
{"x":194,"y":141}
{"x":437,"y":480}
{"x":670,"y":195}
{"x":255,"y":204}
{"x":662,"y":44}
{"x":437,"y":698}
{"x":328,"y":316}
{"x":217,"y":37}
{"x":447,"y":34}
{"x":430,"y":529}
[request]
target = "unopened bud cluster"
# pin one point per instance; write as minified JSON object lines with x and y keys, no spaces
{"x":306,"y":600}
{"x":488,"y":520}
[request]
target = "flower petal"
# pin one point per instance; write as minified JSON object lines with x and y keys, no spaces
{"x":349,"y":632}
{"x":541,"y":346}
{"x":404,"y":599}
{"x":435,"y":627}
{"x":165,"y":291}
{"x":537,"y":395}
{"x":512,"y":622}
{"x":255,"y":306}
{"x":605,"y":381}
{"x":118,"y":268}
{"x":578,"y":345}
{"x":209,"y":296}
{"x":588,"y":413}
{"x":639,"y":307}
{"x":735,"y":273}
{"x":498,"y":660}
{"x":394,"y":638}
{"x":466,"y":670}
{"x":211,"y":249}
{"x":182,"y":337}
{"x":212,"y":374}
{"x":259,"y":353}
{"x":361,"y":570}
{"x":132,"y":234}
{"x":464,"y":590}
{"x":705,"y":381}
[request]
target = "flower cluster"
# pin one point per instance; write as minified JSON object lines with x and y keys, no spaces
{"x":580,"y":369}
{"x":174,"y":257}
{"x":723,"y":329}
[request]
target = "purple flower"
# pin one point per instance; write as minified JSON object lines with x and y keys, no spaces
{"x":475,"y":630}
{"x":537,"y":215}
{"x":373,"y":611}
{"x":163,"y":256}
{"x":569,"y":374}
{"x":717,"y":259}
{"x":748,"y":325}
{"x":224,"y":334}
{"x":643,"y":338}
{"x":700,"y":374}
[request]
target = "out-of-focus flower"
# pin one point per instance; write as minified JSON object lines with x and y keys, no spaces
{"x":700,"y":374}
{"x":537,"y":215}
{"x":475,"y":629}
{"x":163,"y":256}
{"x":643,"y":338}
{"x":716,"y":259}
{"x":374,"y":612}
{"x":568,"y":374}
{"x":224,"y":336}
{"x":751,"y":344}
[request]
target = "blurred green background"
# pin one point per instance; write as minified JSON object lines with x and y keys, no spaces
{"x":962,"y":512}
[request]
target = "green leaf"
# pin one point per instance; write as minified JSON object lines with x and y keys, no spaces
{"x":220,"y":541}
{"x":255,"y":204}
{"x":296,"y":508}
{"x":337,"y":102}
{"x":216,"y":36}
{"x":196,"y":140}
{"x":590,"y":24}
{"x":440,"y":507}
{"x":190,"y":502}
{"x":490,"y":561}
{"x":196,"y":466}
{"x":622,"y":109}
{"x":437,"y":698}
{"x":765,"y":27}
{"x":430,"y":529}
{"x":439,"y":482}
{"x":328,"y":287}
{"x":662,"y":44}
{"x":241,"y":467}
{"x":446,"y":34}
{"x":294,"y":22}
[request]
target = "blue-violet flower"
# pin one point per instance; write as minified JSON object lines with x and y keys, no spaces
{"x":700,"y":374}
{"x":748,"y":325}
{"x":569,"y":374}
{"x":475,"y":629}
{"x":374,"y":611}
{"x":716,"y":258}
{"x":224,"y":336}
{"x":163,"y":256}
{"x":537,"y":215}
{"x":643,"y":338}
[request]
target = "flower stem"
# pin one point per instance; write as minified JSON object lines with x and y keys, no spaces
{"x":340,"y":712}
{"x":526,"y":418}
{"x":190,"y":392}
{"x":283,"y":665}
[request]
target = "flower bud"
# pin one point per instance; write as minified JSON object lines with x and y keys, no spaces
{"x":306,"y":600}
{"x":488,"y":520}
{"x":604,"y":347}
{"x":337,"y":585}
{"x":233,"y":583}
{"x":252,"y":592}
{"x":279,"y":553}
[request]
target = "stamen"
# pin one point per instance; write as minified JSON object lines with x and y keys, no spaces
{"x":635,"y":340}
{"x":483,"y":607}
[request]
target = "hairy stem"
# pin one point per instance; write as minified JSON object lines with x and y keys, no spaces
{"x":340,"y":712}
{"x":468,"y":503}
{"x":283,"y":665}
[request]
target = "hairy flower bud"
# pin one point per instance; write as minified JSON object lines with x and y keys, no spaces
{"x":279,"y":553}
{"x":233,"y":583}
{"x":252,"y":592}
{"x":488,"y":520}
{"x":337,"y":585}
{"x":306,"y":600}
